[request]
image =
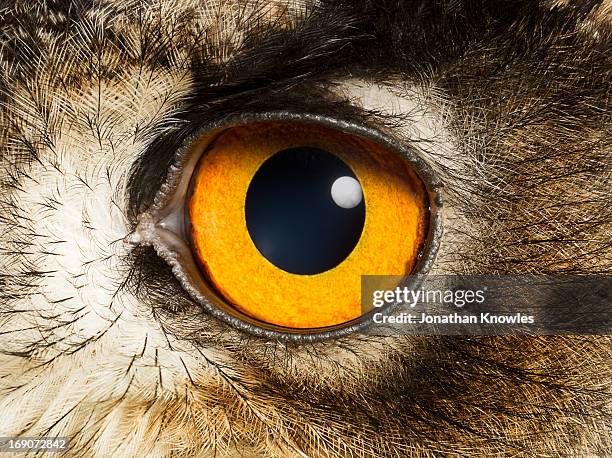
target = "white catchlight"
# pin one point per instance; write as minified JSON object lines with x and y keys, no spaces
{"x":346,"y":192}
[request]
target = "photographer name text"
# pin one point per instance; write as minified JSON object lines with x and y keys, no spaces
{"x":452,"y":318}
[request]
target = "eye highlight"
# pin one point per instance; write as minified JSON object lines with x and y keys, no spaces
{"x":271,"y":223}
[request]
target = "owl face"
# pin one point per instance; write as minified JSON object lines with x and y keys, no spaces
{"x":103,"y":341}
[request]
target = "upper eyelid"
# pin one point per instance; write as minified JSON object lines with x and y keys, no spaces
{"x":149,"y":170}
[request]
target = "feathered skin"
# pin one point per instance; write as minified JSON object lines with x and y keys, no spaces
{"x":508,"y":101}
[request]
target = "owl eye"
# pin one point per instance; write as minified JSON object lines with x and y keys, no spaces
{"x":271,"y":222}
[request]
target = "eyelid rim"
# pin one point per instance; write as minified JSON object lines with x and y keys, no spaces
{"x":210,"y":300}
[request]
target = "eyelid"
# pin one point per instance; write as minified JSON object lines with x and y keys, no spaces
{"x":164,"y":226}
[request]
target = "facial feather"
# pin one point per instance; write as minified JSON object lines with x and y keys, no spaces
{"x":98,"y":342}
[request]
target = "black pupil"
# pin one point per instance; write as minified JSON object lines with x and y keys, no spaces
{"x":291,"y":216}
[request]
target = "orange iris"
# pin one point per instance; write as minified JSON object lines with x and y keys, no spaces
{"x":394,"y":230}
